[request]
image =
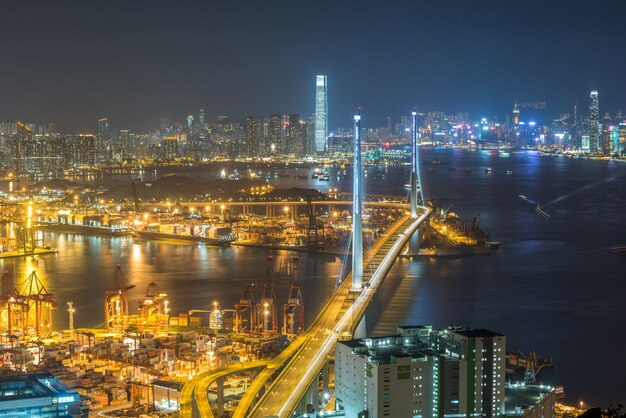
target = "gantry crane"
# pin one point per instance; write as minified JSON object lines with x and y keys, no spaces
{"x":153,"y":310}
{"x":116,"y":302}
{"x":30,"y":308}
{"x":293,"y":310}
{"x":246,"y":304}
{"x":267,"y":315}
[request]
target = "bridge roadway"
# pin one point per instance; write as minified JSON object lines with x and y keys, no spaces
{"x":395,"y":204}
{"x":194,"y":400}
{"x":305,"y":357}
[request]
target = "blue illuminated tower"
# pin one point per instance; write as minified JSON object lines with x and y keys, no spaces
{"x":416,"y":184}
{"x":321,"y":113}
{"x":357,"y":206}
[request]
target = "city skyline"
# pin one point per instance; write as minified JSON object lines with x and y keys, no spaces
{"x":442,"y":57}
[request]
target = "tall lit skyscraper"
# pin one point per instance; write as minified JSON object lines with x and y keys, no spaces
{"x":594,"y":123}
{"x":252,"y":137}
{"x":102,"y":138}
{"x":276,"y":136}
{"x":321,"y":113}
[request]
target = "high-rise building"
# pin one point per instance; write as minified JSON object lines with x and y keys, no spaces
{"x":294,"y":140}
{"x":309,"y":136}
{"x":102,"y":139}
{"x":276,"y":135}
{"x":621,"y":137}
{"x":169,"y":148}
{"x":422,"y":372}
{"x":251,"y":136}
{"x":594,"y":123}
{"x":321,"y":113}
{"x":606,"y":145}
{"x":201,"y":118}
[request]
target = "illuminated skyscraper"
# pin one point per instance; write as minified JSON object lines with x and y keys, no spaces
{"x":201,"y":118}
{"x":252,"y":137}
{"x":594,"y":123}
{"x":276,"y":136}
{"x":321,"y":113}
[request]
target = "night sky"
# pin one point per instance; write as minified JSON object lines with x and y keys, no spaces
{"x":71,"y":62}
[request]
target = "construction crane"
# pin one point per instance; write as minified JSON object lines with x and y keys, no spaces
{"x":293,"y":310}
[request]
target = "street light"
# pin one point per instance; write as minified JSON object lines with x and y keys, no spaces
{"x":581,"y":406}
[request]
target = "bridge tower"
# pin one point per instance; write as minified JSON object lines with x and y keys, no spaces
{"x":116,"y":303}
{"x":245,"y":305}
{"x":267,"y":315}
{"x":417,"y":193}
{"x":293,"y":310}
{"x":357,"y":206}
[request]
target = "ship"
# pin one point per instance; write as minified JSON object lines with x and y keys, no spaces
{"x":324,"y":177}
{"x":619,"y":249}
{"x":86,"y":229}
{"x":209,"y":235}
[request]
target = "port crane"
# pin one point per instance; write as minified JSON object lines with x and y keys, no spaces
{"x":532,"y":367}
{"x":116,"y":302}
{"x":267,"y":315}
{"x":293,"y":310}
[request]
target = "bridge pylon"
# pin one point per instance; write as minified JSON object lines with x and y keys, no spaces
{"x":357,"y":209}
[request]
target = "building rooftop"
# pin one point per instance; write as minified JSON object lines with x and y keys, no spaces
{"x":519,"y":398}
{"x":42,"y":387}
{"x":477,"y":333}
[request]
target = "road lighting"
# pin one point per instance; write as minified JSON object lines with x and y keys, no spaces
{"x":581,"y":406}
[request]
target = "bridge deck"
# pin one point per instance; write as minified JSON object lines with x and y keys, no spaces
{"x":340,"y":315}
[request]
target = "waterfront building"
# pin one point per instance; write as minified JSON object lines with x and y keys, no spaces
{"x":621,"y":137}
{"x":594,"y":122}
{"x":37,"y":395}
{"x":606,"y":140}
{"x":585,"y":143}
{"x":321,"y":113}
{"x":422,"y":372}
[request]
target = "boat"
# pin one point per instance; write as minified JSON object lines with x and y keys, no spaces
{"x":86,"y":229}
{"x":193,"y":239}
{"x":488,"y":170}
{"x":315,"y":175}
{"x":619,"y":249}
{"x":542,"y":212}
{"x":521,"y":196}
{"x":324,"y":177}
{"x":509,"y":172}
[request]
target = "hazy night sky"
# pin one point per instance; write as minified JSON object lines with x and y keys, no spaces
{"x":71,"y":62}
